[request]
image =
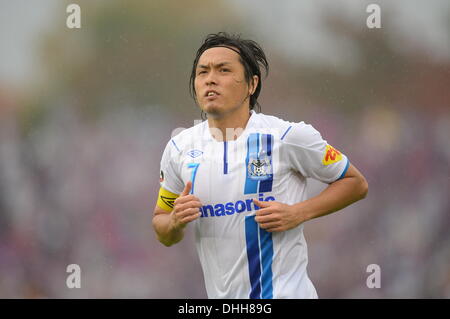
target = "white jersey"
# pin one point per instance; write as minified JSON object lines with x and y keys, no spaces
{"x":270,"y":160}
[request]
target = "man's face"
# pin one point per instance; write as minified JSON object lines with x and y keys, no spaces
{"x":220,"y":82}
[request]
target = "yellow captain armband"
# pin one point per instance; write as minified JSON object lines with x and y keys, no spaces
{"x":166,"y":199}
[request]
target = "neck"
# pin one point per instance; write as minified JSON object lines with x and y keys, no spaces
{"x":229,"y":127}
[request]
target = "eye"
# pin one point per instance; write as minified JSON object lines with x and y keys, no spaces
{"x":225,"y":70}
{"x":201,"y":72}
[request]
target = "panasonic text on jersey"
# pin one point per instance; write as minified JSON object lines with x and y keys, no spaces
{"x":227,"y":209}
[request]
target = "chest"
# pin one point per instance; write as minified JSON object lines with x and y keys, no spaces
{"x":230,"y":170}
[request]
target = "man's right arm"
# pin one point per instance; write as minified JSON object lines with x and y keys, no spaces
{"x":164,"y":227}
{"x":169,"y":225}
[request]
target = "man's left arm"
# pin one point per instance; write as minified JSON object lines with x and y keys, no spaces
{"x":276,"y":216}
{"x":343,"y":192}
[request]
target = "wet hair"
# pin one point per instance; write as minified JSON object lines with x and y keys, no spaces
{"x":251,"y":56}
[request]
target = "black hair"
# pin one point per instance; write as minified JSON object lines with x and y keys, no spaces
{"x":251,"y":56}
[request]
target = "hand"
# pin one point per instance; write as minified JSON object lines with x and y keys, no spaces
{"x":275,"y":216}
{"x":186,"y":208}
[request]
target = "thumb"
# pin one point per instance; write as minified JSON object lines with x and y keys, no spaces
{"x":186,"y":189}
{"x":261,"y":203}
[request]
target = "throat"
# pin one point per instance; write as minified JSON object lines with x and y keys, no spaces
{"x":227,"y":129}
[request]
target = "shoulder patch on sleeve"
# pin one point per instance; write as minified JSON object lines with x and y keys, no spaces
{"x":331,"y":155}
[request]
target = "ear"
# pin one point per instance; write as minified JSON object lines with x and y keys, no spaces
{"x":253,"y":85}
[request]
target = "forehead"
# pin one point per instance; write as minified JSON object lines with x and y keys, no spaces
{"x":218,"y":55}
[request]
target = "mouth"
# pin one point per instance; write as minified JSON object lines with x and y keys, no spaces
{"x":211,"y":94}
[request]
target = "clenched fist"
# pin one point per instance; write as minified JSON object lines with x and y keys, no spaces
{"x":186,"y":208}
{"x":275,"y":216}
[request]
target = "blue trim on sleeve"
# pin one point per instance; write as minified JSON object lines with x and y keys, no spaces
{"x":286,"y":132}
{"x":345,"y":170}
{"x":173,"y":142}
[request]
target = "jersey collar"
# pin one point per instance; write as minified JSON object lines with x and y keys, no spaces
{"x":250,"y":124}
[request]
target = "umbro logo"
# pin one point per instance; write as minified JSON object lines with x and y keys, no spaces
{"x":194,"y":153}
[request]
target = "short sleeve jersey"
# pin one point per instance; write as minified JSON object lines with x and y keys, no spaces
{"x":271,"y":161}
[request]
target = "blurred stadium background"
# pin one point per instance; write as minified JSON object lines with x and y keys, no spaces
{"x":85,"y":114}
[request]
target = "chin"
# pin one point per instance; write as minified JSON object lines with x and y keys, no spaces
{"x":213,"y":109}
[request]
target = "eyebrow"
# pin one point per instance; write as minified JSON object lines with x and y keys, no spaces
{"x":202,"y":66}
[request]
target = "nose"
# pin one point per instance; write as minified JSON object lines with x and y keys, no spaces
{"x":211,"y":78}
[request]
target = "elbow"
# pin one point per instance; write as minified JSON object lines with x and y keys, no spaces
{"x":166,"y":233}
{"x":364,"y":188}
{"x":161,"y":238}
{"x":166,"y":243}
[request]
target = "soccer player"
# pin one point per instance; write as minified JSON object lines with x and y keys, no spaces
{"x":240,"y":179}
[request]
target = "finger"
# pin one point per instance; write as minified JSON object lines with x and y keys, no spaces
{"x":187,"y":212}
{"x":268,"y":225}
{"x":190,"y":218}
{"x":187,"y":198}
{"x":263,"y":211}
{"x":191,"y":204}
{"x":266,"y":219}
{"x":261,"y":203}
{"x":271,"y":226}
{"x":186,"y":189}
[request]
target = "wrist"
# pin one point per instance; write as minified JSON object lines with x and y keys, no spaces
{"x":173,"y":225}
{"x":300,"y":212}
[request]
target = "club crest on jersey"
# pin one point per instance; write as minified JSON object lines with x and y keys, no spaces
{"x":259,"y":168}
